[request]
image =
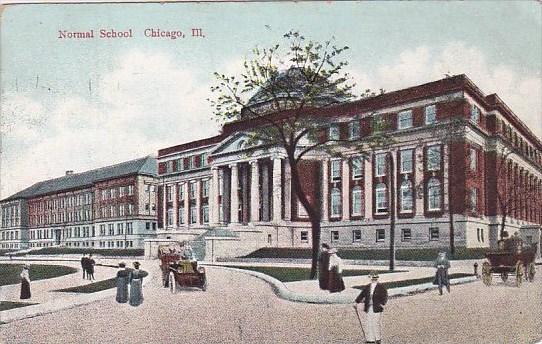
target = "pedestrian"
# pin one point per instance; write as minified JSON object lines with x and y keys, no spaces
{"x":84,"y":265}
{"x":335,"y":278}
{"x":323,"y":267}
{"x":90,"y":267}
{"x":25,"y":282}
{"x":374,"y":296}
{"x":441,"y":276}
{"x":136,"y":285}
{"x":123,"y":279}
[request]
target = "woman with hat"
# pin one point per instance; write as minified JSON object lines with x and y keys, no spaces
{"x":25,"y":282}
{"x":123,"y":279}
{"x":136,"y":285}
{"x":335,"y":278}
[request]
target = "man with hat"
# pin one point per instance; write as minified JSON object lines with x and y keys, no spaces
{"x":374,"y":296}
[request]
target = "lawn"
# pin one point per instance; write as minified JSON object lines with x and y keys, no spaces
{"x":428,"y":254}
{"x":5,"y":305}
{"x":103,"y":252}
{"x":405,"y":283}
{"x":91,"y":288}
{"x":287,"y":274}
{"x":10,"y":273}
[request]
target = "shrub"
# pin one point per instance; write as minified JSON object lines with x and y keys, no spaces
{"x":103,"y":252}
{"x":10,"y":273}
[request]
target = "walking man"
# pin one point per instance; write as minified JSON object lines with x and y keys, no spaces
{"x":84,"y":265}
{"x":374,"y":296}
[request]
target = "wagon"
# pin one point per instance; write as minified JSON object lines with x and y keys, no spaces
{"x":512,"y":259}
{"x":178,"y":269}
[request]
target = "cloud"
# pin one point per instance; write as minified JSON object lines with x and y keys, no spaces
{"x":147,"y":102}
{"x":521,"y":92}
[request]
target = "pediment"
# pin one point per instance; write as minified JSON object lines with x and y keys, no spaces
{"x":233,"y":144}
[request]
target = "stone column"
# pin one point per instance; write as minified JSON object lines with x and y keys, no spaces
{"x":418,"y":181}
{"x":198,"y":202}
{"x":277,"y":189}
{"x":213,"y":197}
{"x":254,"y":192}
{"x":345,"y":179}
{"x":164,"y":205}
{"x":325,"y":190}
{"x":175,"y":207}
{"x":368,"y":190}
{"x":234,"y":203}
{"x":287,"y":191}
{"x":186,"y":203}
{"x":265,"y":192}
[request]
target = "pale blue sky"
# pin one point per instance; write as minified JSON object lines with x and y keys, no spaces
{"x":150,"y":93}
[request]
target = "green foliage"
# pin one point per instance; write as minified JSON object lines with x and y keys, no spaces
{"x":91,"y":288}
{"x":98,"y":252}
{"x":415,"y":281}
{"x":5,"y":305}
{"x":10,"y":273}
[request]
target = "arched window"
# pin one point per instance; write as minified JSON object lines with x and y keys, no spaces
{"x":335,"y":202}
{"x":381,"y":198}
{"x":356,"y":201}
{"x":406,"y":196}
{"x":433,"y":194}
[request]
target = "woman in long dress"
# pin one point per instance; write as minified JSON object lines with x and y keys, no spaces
{"x":123,"y":279}
{"x":335,"y":283}
{"x":136,"y":285}
{"x":25,"y":282}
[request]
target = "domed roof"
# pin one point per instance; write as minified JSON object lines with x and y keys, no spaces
{"x":289,"y":87}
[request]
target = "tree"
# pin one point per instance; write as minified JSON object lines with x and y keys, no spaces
{"x":282,"y":91}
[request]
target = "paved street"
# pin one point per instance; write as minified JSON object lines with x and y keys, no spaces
{"x":238,"y":308}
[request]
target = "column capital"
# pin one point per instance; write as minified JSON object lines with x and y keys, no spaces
{"x":253,"y":162}
{"x":233,"y":164}
{"x":215,"y":168}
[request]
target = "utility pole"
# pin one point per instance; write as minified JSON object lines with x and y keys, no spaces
{"x":391,"y":171}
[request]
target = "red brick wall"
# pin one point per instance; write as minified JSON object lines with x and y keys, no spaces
{"x":309,"y":175}
{"x":456,"y":176}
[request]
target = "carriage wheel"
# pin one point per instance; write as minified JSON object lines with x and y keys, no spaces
{"x":486,"y":274}
{"x":172,"y":283}
{"x":520,"y":270}
{"x":504,"y":276}
{"x":531,"y":270}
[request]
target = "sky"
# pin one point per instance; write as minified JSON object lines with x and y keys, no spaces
{"x":78,"y":104}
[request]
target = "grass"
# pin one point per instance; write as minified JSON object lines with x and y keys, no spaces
{"x":287,"y":274}
{"x":103,"y":252}
{"x":91,"y":288}
{"x":10,"y":273}
{"x":5,"y":305}
{"x":405,"y":283}
{"x":427,"y":254}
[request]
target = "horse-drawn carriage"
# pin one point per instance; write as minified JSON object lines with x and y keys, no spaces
{"x":180,"y":269}
{"x":512,"y":258}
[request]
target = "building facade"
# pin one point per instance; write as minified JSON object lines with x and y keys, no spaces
{"x":110,"y":207}
{"x":458,"y":182}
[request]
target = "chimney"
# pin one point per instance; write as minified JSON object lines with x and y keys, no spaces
{"x":69,"y":172}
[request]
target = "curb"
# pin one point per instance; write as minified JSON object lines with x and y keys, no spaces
{"x":55,"y":305}
{"x":281,"y":291}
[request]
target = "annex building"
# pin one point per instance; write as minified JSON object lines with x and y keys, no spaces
{"x":109,"y":207}
{"x":229,"y":198}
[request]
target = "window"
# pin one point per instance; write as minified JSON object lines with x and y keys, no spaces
{"x":122,"y":210}
{"x":205,"y":188}
{"x":181,"y":215}
{"x":380,"y":235}
{"x":170,"y":217}
{"x":169,"y":193}
{"x":474,"y":113}
{"x":356,"y":201}
{"x":354,"y":130}
{"x":406,"y":196}
{"x":404,"y":119}
{"x":181,"y":192}
{"x":180,"y":164}
{"x":406,"y":234}
{"x":381,"y":198}
{"x":473,"y":159}
{"x":335,"y":202}
{"x":356,"y":235}
{"x":433,"y":194}
{"x":129,"y":228}
{"x":380,"y":165}
{"x":130,"y":189}
{"x":334,"y":133}
{"x":474,"y":199}
{"x":192,"y":191}
{"x":120,"y":228}
{"x":304,"y":236}
{"x":357,"y":167}
{"x":406,"y":161}
{"x":334,"y":236}
{"x":205,"y":213}
{"x":430,"y":114}
{"x":335,"y":169}
{"x":203,"y":160}
{"x":121,"y":191}
{"x":433,"y":158}
{"x":113,"y":193}
{"x":193,"y":215}
{"x":111,"y":228}
{"x":191,"y":161}
{"x":433,"y":233}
